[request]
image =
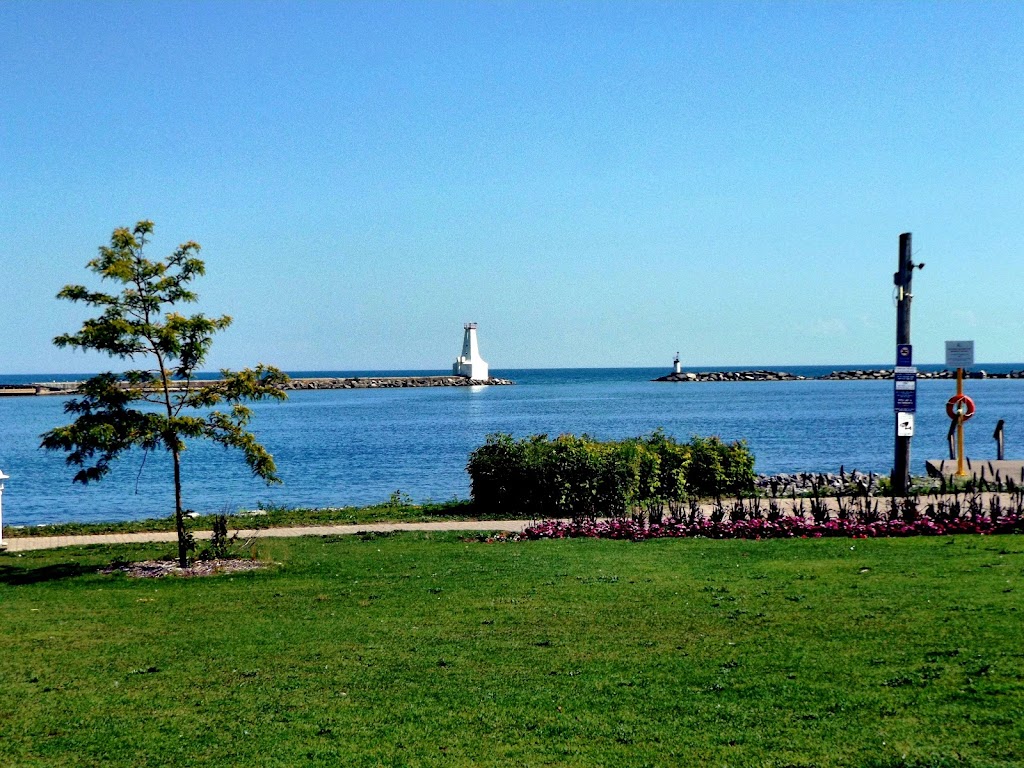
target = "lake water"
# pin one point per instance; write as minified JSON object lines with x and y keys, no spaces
{"x":353,"y":447}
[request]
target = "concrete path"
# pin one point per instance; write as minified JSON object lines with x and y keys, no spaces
{"x":787,"y":506}
{"x":28,"y":543}
{"x":987,"y":468}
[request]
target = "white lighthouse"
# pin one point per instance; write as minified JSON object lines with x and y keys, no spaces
{"x":469,"y":364}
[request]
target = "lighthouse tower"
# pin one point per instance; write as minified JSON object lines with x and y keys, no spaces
{"x":469,"y":364}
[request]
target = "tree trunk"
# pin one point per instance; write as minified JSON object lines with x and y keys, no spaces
{"x":179,"y":513}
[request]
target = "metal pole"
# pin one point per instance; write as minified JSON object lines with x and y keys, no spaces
{"x":998,"y":437}
{"x":960,"y":425}
{"x":902,"y":279}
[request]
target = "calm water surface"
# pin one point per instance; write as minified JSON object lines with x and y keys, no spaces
{"x":336,"y":448}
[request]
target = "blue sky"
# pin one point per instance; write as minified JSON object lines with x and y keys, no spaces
{"x":595,"y":184}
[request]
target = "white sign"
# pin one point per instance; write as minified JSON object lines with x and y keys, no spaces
{"x":906,"y":385}
{"x":904,"y":425}
{"x":905,"y":369}
{"x":959,"y":354}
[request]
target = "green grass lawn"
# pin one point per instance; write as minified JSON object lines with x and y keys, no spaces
{"x":418,"y":649}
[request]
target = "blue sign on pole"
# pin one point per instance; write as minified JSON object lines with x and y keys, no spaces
{"x":904,"y":353}
{"x":905,"y":401}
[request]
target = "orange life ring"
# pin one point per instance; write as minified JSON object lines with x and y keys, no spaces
{"x":960,"y":406}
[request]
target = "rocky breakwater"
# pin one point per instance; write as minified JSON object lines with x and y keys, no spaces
{"x":732,"y":376}
{"x":43,"y":388}
{"x":851,"y":375}
{"x":362,"y":382}
{"x":886,"y":373}
{"x":868,"y":375}
{"x":392,"y":382}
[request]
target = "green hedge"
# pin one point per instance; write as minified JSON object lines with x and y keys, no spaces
{"x":579,"y":477}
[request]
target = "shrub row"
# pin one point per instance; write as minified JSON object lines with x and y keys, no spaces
{"x":582,"y":478}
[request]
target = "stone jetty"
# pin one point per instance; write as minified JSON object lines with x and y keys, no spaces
{"x":852,"y":375}
{"x":886,"y":373}
{"x":42,"y":388}
{"x":393,"y":382}
{"x":731,"y":376}
{"x":360,"y":382}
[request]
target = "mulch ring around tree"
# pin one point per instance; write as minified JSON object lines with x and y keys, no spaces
{"x":157,"y":569}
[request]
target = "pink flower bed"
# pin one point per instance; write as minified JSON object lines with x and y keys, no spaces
{"x":792,"y":527}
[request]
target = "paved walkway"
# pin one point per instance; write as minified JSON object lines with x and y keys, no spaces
{"x":787,"y":506}
{"x":28,"y":543}
{"x":978,"y":469}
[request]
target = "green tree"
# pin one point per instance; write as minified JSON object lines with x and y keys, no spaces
{"x":138,"y":323}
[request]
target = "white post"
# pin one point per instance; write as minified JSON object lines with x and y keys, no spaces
{"x":2,"y":478}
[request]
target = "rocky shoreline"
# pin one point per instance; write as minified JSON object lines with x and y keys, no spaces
{"x":826,"y":483}
{"x":853,"y":375}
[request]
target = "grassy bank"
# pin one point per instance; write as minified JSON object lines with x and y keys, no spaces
{"x":417,"y":650}
{"x":396,"y":509}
